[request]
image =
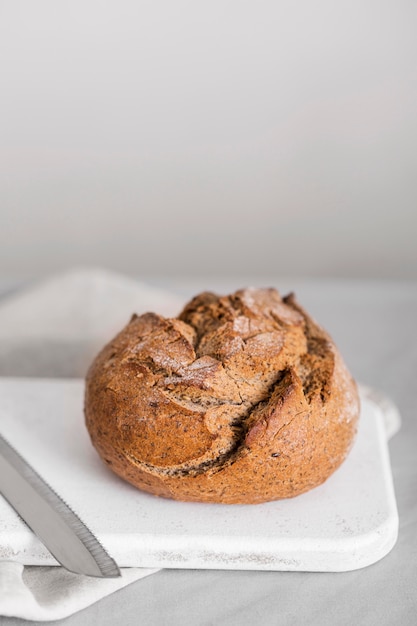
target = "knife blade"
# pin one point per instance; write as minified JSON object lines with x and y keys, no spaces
{"x":60,"y":529}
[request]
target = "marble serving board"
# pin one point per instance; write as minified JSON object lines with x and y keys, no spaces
{"x":347,"y":523}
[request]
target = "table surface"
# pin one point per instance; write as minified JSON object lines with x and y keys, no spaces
{"x":373,"y":323}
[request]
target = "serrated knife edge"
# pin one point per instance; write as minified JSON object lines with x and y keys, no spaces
{"x":59,"y":528}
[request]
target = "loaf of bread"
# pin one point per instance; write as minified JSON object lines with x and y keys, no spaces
{"x":241,"y":399}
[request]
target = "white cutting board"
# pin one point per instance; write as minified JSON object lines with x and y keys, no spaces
{"x":349,"y":522}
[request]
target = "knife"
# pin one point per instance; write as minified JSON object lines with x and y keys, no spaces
{"x":67,"y":538}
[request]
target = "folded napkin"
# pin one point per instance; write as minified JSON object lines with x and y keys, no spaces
{"x":54,"y":329}
{"x":51,"y":593}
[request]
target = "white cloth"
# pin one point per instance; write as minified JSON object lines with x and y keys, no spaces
{"x":51,"y":593}
{"x":55,"y":329}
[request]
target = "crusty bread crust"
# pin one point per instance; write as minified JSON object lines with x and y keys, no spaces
{"x":241,"y":399}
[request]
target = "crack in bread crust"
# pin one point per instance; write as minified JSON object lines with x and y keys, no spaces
{"x":239,"y":427}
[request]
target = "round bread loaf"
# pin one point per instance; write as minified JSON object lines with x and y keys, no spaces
{"x":241,"y":399}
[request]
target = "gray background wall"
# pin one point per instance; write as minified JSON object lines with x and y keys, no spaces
{"x":226,"y":137}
